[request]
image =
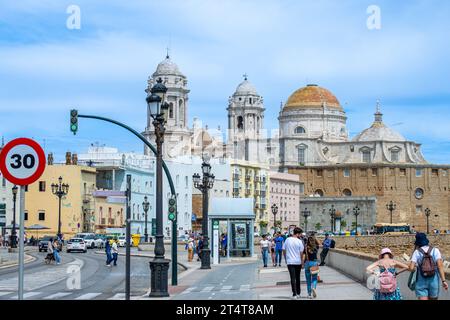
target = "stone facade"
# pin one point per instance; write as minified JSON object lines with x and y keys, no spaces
{"x":412,"y":188}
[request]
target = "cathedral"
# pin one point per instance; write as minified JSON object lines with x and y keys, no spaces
{"x":375,"y":167}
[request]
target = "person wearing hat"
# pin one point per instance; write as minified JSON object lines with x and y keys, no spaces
{"x":387,"y":268}
{"x":427,"y":283}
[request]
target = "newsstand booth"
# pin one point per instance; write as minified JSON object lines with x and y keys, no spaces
{"x":235,"y":219}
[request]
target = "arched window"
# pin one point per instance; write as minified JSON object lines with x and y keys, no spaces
{"x":318,"y":193}
{"x":301,"y":149}
{"x":240,"y":123}
{"x":347,"y":193}
{"x":171,"y":110}
{"x":366,"y":156}
{"x":300,"y":130}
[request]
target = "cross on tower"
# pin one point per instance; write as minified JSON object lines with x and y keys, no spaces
{"x":167,"y":55}
{"x":245,"y":76}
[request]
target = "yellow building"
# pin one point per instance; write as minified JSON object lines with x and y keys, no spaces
{"x":77,"y":207}
{"x":251,"y":180}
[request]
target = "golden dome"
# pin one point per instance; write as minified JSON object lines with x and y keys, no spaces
{"x":312,"y":96}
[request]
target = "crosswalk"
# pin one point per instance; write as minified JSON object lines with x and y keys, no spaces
{"x":222,"y":289}
{"x":38,"y":295}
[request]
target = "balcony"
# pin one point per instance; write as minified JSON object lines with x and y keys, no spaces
{"x":248,"y":177}
{"x":248,"y":192}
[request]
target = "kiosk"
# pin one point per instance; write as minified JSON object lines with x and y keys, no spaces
{"x":231,"y":223}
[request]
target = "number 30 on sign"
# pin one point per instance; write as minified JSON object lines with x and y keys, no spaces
{"x":22,"y":161}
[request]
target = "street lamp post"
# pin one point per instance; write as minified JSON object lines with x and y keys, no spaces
{"x":391,"y":206}
{"x":13,"y":230}
{"x":145,"y":206}
{"x":274,"y":212}
{"x":60,"y":190}
{"x":427,"y":214}
{"x":204,"y":184}
{"x":356,"y":211}
{"x":306,"y":213}
{"x":333,"y":216}
{"x":159,"y":266}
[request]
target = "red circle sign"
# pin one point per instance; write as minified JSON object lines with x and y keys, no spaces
{"x":22,"y":161}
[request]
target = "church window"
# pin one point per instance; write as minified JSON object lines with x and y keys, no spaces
{"x":418,"y":172}
{"x":302,"y":188}
{"x":392,"y":171}
{"x":363,"y":172}
{"x":435,"y":172}
{"x":171,"y":110}
{"x":346,"y":173}
{"x":419,"y":209}
{"x":301,"y":156}
{"x":250,"y":100}
{"x":366,"y":156}
{"x":347,"y":193}
{"x":240,"y":123}
{"x":318,"y":193}
{"x":419,"y":193}
{"x":403,"y":172}
{"x":394,"y":155}
{"x":374,"y":172}
{"x":319,"y":172}
{"x":300,"y":130}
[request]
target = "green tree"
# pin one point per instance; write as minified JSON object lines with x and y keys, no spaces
{"x":343,"y":224}
{"x":318,"y":226}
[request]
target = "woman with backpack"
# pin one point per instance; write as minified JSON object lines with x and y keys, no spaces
{"x":387,"y":288}
{"x":430,"y":269}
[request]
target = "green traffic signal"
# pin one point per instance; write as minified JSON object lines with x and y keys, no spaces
{"x":172,"y":209}
{"x":74,"y":121}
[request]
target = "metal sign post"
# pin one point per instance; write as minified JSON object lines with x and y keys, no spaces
{"x":128,"y":240}
{"x":21,"y":243}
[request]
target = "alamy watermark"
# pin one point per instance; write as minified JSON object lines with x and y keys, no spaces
{"x":374,"y":19}
{"x":73,"y":21}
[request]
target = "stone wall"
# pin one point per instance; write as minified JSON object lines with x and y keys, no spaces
{"x":401,"y":244}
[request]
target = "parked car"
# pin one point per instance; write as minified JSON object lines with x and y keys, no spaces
{"x":90,"y":241}
{"x":122,"y":241}
{"x":76,"y":244}
{"x":43,"y":243}
{"x":99,"y":241}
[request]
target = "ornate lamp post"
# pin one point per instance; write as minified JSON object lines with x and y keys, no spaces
{"x":427,"y":214}
{"x":60,"y":190}
{"x":391,"y":206}
{"x":145,"y":206}
{"x":159,"y":266}
{"x":306,"y":213}
{"x":333,"y":216}
{"x":274,"y":212}
{"x":13,"y":243}
{"x":356,"y":211}
{"x":204,"y":184}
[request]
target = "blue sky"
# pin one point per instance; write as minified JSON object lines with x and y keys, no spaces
{"x":46,"y":69}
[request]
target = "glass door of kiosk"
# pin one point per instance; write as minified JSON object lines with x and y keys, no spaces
{"x":240,"y":238}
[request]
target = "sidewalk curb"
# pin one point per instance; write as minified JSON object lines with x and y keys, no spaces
{"x":28,"y":259}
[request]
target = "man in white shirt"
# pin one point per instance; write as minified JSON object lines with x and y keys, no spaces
{"x":293,"y":249}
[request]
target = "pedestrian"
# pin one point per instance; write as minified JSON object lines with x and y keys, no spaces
{"x":190,"y":249}
{"x":108,"y":253}
{"x":293,"y":250}
{"x":56,"y":250}
{"x":311,"y":266}
{"x":115,"y":251}
{"x":50,"y":252}
{"x":387,"y":288}
{"x":326,"y":244}
{"x":272,"y":250}
{"x":199,"y":248}
{"x":279,"y":240}
{"x":224,"y":245}
{"x":265,"y":244}
{"x":1,"y":241}
{"x":430,"y":269}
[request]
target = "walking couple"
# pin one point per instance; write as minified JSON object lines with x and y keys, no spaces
{"x":112,"y":252}
{"x":426,"y":267}
{"x":296,"y":256}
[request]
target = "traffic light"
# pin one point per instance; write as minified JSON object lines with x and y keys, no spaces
{"x":172,"y":209}
{"x":74,"y":121}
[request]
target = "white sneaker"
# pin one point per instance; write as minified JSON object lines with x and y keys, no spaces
{"x":310,"y":296}
{"x":297,"y":297}
{"x":294,"y":297}
{"x":314,"y":292}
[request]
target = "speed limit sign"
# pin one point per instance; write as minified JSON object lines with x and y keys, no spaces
{"x":22,"y":161}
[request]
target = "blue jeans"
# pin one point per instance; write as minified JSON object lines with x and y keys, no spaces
{"x":311,"y":280}
{"x":114,"y":258}
{"x":57,"y":256}
{"x":265,"y":255}
{"x":108,"y":257}
{"x":278,"y":254}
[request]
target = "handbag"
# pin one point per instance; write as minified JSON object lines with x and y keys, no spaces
{"x":412,"y":280}
{"x":314,"y":270}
